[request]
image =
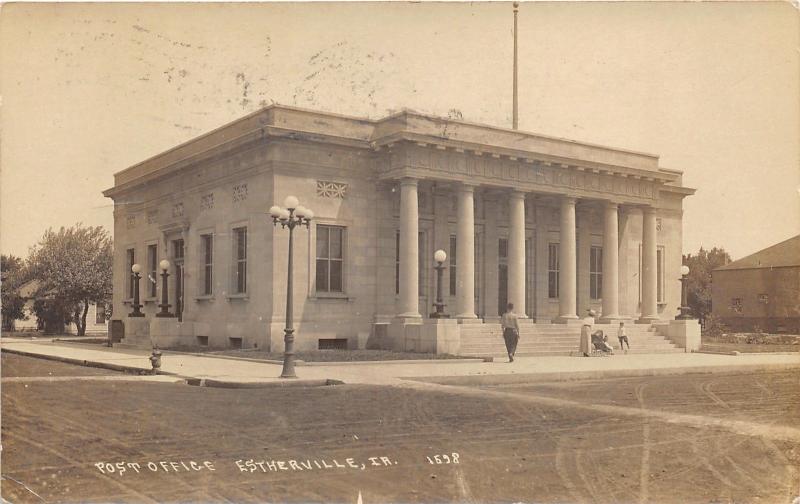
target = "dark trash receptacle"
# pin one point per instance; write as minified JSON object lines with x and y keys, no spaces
{"x":117,"y":331}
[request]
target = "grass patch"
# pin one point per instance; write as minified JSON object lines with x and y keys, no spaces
{"x":747,"y":347}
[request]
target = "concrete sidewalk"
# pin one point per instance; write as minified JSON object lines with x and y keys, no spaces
{"x":233,"y":372}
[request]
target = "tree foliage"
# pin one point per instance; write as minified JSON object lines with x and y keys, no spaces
{"x":12,"y":275}
{"x":74,"y":266}
{"x":699,"y":279}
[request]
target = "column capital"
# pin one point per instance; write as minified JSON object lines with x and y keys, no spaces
{"x":568,"y":200}
{"x":468,"y":186}
{"x":405,"y":181}
{"x":517,"y":194}
{"x":648,"y":210}
{"x":611,"y":205}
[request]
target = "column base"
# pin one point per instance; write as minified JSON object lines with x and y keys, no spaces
{"x":647,"y":319}
{"x":685,"y":333}
{"x":409,"y":315}
{"x":567,"y":319}
{"x":613,"y":319}
{"x":469,"y":319}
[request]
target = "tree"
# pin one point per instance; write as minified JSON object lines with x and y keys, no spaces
{"x":74,"y":266}
{"x":699,"y":279}
{"x":11,"y":277}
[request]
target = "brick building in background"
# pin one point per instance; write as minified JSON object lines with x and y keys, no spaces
{"x":760,"y":291}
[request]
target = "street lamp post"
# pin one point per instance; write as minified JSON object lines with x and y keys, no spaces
{"x":684,"y":315}
{"x":164,"y":265}
{"x":290,"y":217}
{"x":440,"y":257}
{"x":137,"y":307}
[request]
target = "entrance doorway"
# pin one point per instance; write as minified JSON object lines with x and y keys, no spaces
{"x":502,"y":276}
{"x":178,"y":261}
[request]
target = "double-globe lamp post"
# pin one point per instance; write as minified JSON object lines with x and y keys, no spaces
{"x":684,"y":301}
{"x":137,"y":307}
{"x":291,"y":216}
{"x":164,"y":265}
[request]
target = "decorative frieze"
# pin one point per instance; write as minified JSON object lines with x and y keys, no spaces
{"x":536,"y":175}
{"x":177,"y":210}
{"x":239,"y":192}
{"x":207,"y":201}
{"x":329,"y":189}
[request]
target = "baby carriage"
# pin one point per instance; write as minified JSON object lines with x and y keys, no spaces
{"x":600,"y":343}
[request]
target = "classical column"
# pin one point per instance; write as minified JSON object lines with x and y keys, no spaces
{"x":610,"y":291}
{"x":465,"y":254}
{"x":567,"y":256}
{"x":649,"y":266}
{"x":409,"y":249}
{"x":516,"y":252}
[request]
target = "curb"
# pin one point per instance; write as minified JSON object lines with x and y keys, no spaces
{"x":94,"y":364}
{"x":466,"y":360}
{"x":526,"y":378}
{"x":204,"y":382}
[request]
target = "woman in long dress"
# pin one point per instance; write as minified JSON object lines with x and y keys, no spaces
{"x":586,"y":333}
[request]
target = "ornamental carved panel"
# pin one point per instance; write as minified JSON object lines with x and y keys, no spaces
{"x":177,"y":210}
{"x":329,"y":189}
{"x":152,"y":216}
{"x":239,"y":192}
{"x":207,"y":201}
{"x":131,"y":221}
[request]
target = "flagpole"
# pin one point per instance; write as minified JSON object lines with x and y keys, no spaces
{"x":515,"y":115}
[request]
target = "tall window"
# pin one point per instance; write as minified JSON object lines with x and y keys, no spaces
{"x":422,"y":262}
{"x":661,"y":296}
{"x":130,"y":260}
{"x":552,"y":270}
{"x":207,"y":242}
{"x":453,"y":274}
{"x":100,"y":313}
{"x":330,"y":258}
{"x":397,"y":263}
{"x":596,"y":272}
{"x":152,"y":269}
{"x":240,"y":260}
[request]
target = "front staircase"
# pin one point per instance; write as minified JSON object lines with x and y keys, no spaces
{"x":558,"y":339}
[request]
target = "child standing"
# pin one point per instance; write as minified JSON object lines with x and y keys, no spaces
{"x":622,"y":336}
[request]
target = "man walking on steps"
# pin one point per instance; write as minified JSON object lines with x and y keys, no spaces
{"x":510,"y":331}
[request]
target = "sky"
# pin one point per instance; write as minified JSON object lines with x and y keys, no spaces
{"x":713,"y":88}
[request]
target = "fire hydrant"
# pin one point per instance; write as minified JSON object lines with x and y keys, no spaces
{"x":155,"y":360}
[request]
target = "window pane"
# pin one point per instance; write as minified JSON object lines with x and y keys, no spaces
{"x":209,"y":248}
{"x":208,"y":281}
{"x":241,"y":277}
{"x":322,"y":241}
{"x":502,"y":248}
{"x":552,"y":285}
{"x":336,"y":243}
{"x":336,"y":276}
{"x":241,"y":243}
{"x":128,"y":266}
{"x":100,"y":314}
{"x":322,"y":275}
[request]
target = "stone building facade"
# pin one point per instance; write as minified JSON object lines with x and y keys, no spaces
{"x":555,"y":226}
